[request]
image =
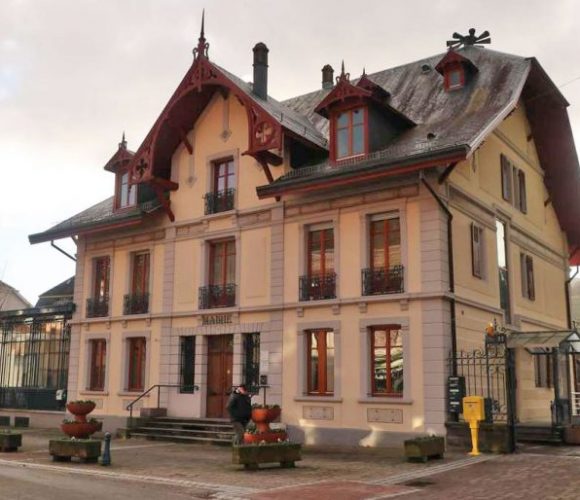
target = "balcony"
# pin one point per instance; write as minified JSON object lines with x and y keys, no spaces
{"x":317,"y":287}
{"x":220,"y":201}
{"x":136,"y":303}
{"x":98,"y":308}
{"x":213,"y":296}
{"x":382,"y":281}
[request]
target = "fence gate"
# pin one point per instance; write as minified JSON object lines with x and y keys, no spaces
{"x":490,"y":373}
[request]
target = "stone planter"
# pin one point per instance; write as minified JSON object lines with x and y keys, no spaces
{"x":63,"y":450}
{"x":10,"y":441}
{"x":571,"y":434}
{"x":250,"y":456}
{"x":424,"y":448}
{"x":268,"y":437}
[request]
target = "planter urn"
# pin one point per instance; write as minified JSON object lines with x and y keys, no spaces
{"x":424,"y":448}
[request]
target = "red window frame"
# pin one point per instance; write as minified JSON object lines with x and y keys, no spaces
{"x":140,"y":273}
{"x":388,"y":329}
{"x":222,"y":250}
{"x":334,"y":129}
{"x":378,"y":226}
{"x":224,"y":169}
{"x":137,"y":347}
{"x":131,"y":191}
{"x":322,"y":369}
{"x":98,"y":349}
{"x":323,"y":240}
{"x":454,"y":69}
{"x":101,"y":266}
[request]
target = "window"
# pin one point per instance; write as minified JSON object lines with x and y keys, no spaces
{"x":320,"y":281}
{"x":454,"y":78}
{"x":543,"y":369}
{"x":136,"y":375}
{"x":386,"y":361}
{"x":137,"y":302}
{"x":513,"y":182}
{"x":385,"y":274}
{"x":320,"y":362}
{"x":126,"y":194}
{"x":502,"y":264}
{"x":527,"y":272}
{"x":252,"y":362}
{"x":98,"y":304}
{"x":477,"y":261}
{"x":187,"y":364}
{"x":98,"y":353}
{"x":350,"y":133}
{"x":221,"y":289}
{"x":221,"y":197}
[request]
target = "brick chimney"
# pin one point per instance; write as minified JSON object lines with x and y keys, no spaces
{"x":260,"y":87}
{"x":327,"y":77}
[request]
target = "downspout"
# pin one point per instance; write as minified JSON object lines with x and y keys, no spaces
{"x":62,"y":251}
{"x":567,"y":292}
{"x":443,"y":206}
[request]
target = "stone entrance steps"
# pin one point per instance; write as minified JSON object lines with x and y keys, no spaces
{"x":200,"y":430}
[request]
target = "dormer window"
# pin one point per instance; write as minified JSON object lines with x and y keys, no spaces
{"x":350,"y":133}
{"x":455,"y":79}
{"x":126,"y":194}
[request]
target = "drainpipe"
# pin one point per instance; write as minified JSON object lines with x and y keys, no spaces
{"x":443,"y":206}
{"x":567,"y":292}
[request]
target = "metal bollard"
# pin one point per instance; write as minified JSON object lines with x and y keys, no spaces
{"x":106,"y":456}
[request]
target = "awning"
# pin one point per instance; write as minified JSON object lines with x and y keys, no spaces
{"x":567,"y":339}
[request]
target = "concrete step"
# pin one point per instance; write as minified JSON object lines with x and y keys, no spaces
{"x":539,"y":434}
{"x":189,"y":425}
{"x":151,"y":428}
{"x":181,"y":438}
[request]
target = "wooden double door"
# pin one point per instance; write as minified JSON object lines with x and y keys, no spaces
{"x":220,"y":351}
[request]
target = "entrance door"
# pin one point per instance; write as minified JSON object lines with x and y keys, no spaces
{"x":220,"y":350}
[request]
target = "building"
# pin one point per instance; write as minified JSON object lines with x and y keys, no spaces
{"x":10,"y":298}
{"x":34,"y":350}
{"x":341,"y":247}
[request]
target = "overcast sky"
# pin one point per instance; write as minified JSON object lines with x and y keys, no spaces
{"x":74,"y":74}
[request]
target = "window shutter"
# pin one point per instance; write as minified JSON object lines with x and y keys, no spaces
{"x":530,"y":277}
{"x":516,"y":188}
{"x":506,"y":187}
{"x":476,"y":264}
{"x":522,"y":190}
{"x":524,"y":275}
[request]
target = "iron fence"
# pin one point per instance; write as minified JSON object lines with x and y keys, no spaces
{"x":34,"y":355}
{"x":220,"y":201}
{"x":381,"y":281}
{"x":98,"y":307}
{"x":136,"y":303}
{"x":214,"y":296}
{"x":317,"y":287}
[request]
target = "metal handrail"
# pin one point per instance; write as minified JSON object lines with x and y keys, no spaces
{"x":158,"y":387}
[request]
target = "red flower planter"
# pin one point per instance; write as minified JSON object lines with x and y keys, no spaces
{"x":263,"y":416}
{"x":80,"y":430}
{"x":80,"y":409}
{"x":268,"y":437}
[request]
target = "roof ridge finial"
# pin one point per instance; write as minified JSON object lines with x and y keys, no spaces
{"x":364,"y":73}
{"x":202,"y":45}
{"x":123,"y":143}
{"x":343,"y":75}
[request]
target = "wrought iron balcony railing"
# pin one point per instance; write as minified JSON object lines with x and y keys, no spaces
{"x":219,"y":201}
{"x":317,"y":287}
{"x":136,"y":303}
{"x":98,"y":307}
{"x":381,"y":280}
{"x":212,"y":296}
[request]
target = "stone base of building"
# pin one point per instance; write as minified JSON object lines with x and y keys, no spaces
{"x":493,"y":438}
{"x":39,"y":419}
{"x":326,"y":436}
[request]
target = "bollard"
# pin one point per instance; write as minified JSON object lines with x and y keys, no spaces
{"x":106,"y":456}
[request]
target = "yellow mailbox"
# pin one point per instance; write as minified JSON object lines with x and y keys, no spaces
{"x":473,"y":412}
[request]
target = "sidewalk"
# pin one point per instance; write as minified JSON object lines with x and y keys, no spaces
{"x":207,"y":471}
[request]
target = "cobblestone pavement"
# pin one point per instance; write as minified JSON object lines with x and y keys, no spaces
{"x":199,"y":471}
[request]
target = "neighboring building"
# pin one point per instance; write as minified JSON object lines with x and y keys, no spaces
{"x":342,"y":243}
{"x":575,"y":300}
{"x":10,"y":298}
{"x":34,"y":353}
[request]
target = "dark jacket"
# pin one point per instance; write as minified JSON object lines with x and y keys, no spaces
{"x":240,"y":407}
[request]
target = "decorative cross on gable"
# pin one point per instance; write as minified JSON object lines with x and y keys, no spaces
{"x":471,"y":39}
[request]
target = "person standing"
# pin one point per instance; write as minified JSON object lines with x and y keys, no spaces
{"x":240,"y":409}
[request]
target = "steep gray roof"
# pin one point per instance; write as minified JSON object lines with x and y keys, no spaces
{"x":101,"y":214}
{"x":58,"y":295}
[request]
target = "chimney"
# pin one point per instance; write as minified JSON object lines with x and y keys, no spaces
{"x":327,"y":77}
{"x":261,"y":70}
